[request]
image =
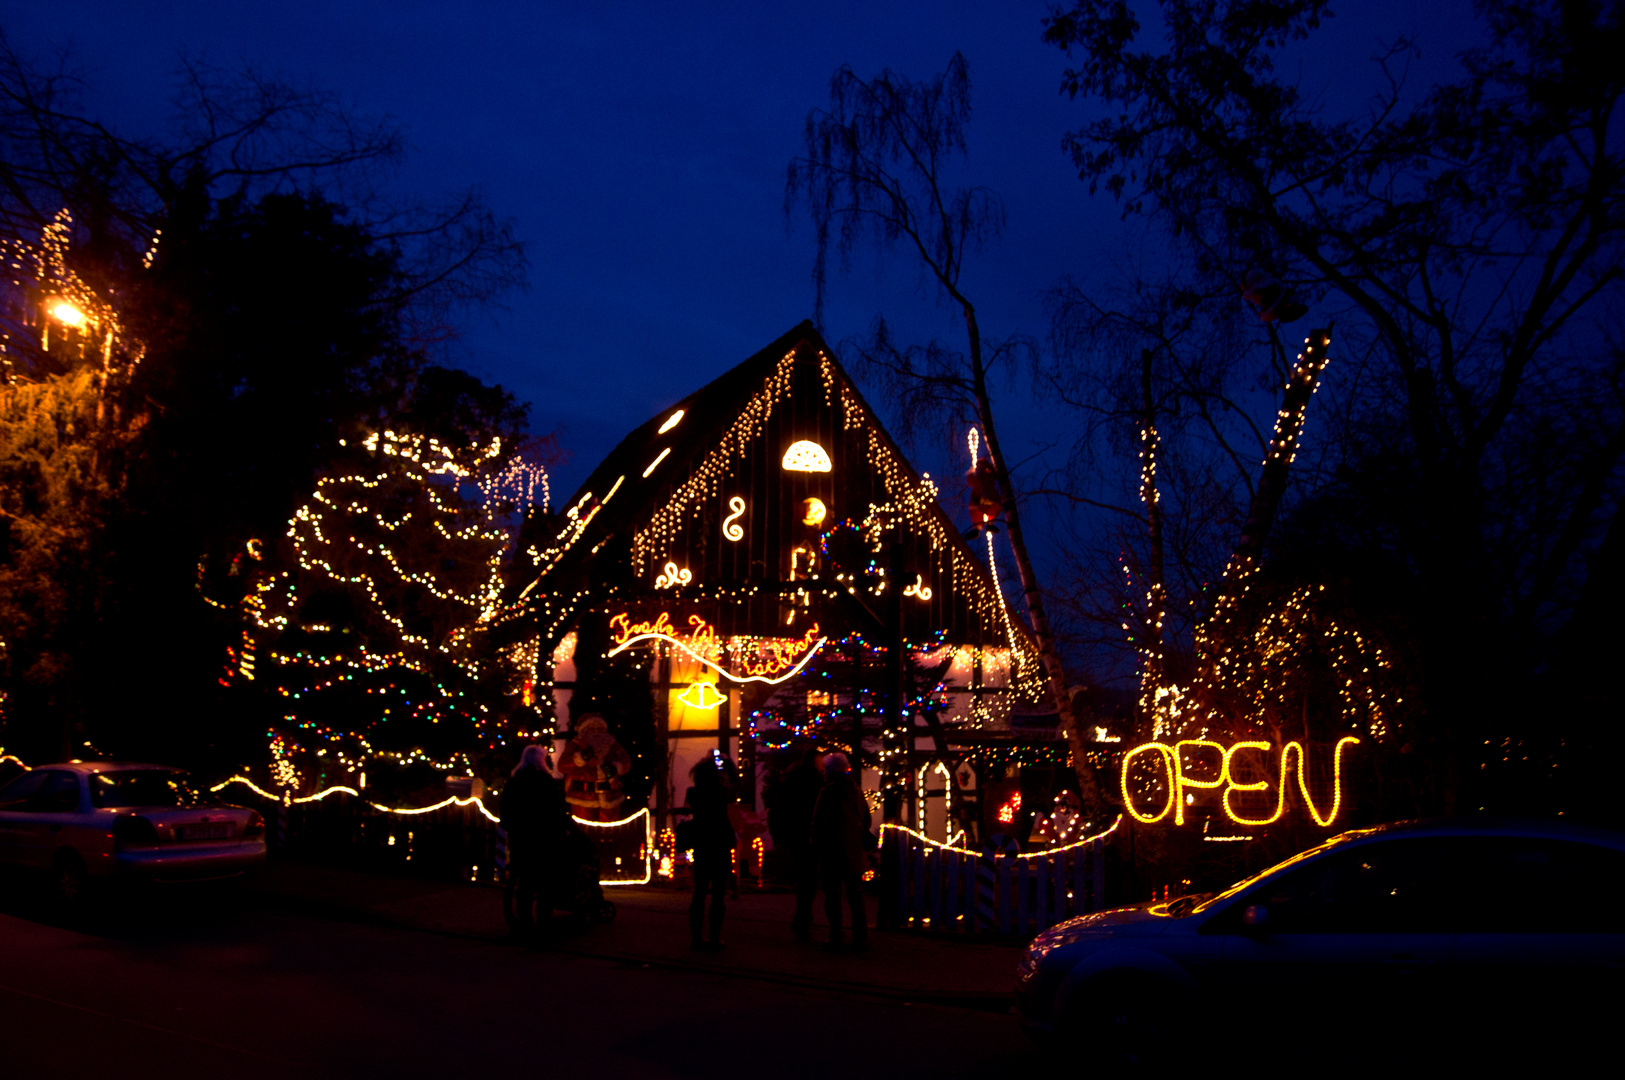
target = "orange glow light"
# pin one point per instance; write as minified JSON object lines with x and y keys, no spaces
{"x":66,"y":314}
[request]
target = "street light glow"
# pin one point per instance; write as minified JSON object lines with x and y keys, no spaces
{"x":67,"y":314}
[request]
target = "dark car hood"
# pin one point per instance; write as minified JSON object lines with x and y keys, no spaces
{"x":1139,"y":919}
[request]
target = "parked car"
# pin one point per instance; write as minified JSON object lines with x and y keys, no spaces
{"x":1468,"y":939}
{"x":90,"y":822}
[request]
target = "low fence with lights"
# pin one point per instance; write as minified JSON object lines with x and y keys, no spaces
{"x":996,"y":890}
{"x":453,"y":837}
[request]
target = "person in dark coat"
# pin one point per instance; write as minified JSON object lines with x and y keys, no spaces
{"x":536,"y":818}
{"x":840,"y":836}
{"x":789,"y":818}
{"x":712,"y":836}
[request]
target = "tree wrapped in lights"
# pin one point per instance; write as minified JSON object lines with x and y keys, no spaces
{"x":63,"y":444}
{"x":1272,"y":661}
{"x":374,"y":636}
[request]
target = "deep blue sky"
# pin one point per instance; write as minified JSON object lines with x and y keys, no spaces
{"x":641,"y":149}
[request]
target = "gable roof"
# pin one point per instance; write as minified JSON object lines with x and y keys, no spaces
{"x":703,"y":491}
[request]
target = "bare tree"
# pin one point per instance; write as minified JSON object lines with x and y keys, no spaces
{"x":235,"y":134}
{"x":876,"y":169}
{"x":1473,"y":238}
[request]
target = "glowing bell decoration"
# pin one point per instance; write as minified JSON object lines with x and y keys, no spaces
{"x":702,"y":696}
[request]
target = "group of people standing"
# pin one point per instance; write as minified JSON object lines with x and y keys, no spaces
{"x":820,"y":821}
{"x":537,"y":819}
{"x":818,"y":817}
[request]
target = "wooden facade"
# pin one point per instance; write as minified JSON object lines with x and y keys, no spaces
{"x":766,"y":521}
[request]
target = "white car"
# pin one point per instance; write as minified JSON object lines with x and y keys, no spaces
{"x":103,"y":821}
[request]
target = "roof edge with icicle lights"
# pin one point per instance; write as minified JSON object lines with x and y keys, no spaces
{"x":771,"y":494}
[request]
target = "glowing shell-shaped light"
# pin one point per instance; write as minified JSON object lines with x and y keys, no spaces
{"x":813,"y":511}
{"x":702,"y":695}
{"x":806,"y":456}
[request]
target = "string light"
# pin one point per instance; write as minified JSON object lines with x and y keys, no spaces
{"x":910,"y":496}
{"x":947,"y":791}
{"x":70,"y":302}
{"x":474,"y":801}
{"x":1177,"y":780}
{"x":341,"y":537}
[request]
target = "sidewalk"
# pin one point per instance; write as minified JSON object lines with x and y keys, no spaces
{"x":652,"y":929}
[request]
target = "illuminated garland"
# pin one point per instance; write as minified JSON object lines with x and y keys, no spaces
{"x":450,"y":801}
{"x":1247,"y":677}
{"x":913,"y":499}
{"x":340,"y":538}
{"x":651,"y":542}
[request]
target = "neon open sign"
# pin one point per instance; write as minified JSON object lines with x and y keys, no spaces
{"x":1178,"y":780}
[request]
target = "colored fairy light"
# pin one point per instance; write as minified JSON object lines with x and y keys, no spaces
{"x":348,"y":534}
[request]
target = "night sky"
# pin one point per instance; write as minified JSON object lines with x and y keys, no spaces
{"x":641,"y":149}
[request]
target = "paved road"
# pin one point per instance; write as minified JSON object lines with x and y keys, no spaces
{"x":256,"y":989}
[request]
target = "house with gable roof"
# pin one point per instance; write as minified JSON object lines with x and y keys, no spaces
{"x":765,"y":559}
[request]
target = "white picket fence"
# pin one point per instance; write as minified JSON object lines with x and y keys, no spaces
{"x":996,"y":890}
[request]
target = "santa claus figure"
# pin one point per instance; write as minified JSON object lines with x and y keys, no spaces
{"x":592,"y":765}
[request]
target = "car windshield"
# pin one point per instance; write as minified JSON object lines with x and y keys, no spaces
{"x":1182,"y":907}
{"x":139,"y":787}
{"x":1248,"y":883}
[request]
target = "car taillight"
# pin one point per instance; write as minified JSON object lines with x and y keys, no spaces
{"x":255,"y":826}
{"x":133,"y":829}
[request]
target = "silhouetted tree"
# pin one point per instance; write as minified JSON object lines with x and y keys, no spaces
{"x":877,"y":169}
{"x":1470,"y":239}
